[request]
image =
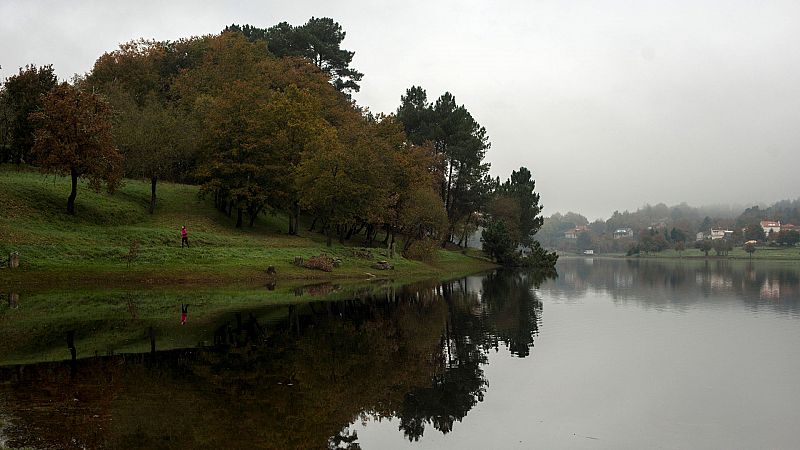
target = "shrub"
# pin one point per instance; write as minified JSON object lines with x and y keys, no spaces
{"x":320,"y":262}
{"x":426,"y":249}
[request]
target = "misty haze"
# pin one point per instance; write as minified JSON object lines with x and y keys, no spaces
{"x":399,"y":225}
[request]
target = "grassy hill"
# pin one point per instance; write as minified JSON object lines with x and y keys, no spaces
{"x":90,"y":247}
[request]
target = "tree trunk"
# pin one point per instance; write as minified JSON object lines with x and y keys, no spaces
{"x":74,"y":193}
{"x":239,"y":217}
{"x":153,"y":181}
{"x":313,"y":224}
{"x":328,"y":235}
{"x":296,"y":217}
{"x":447,"y":193}
{"x":253,"y":213}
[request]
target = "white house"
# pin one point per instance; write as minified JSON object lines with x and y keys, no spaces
{"x":770,"y":226}
{"x":620,"y":233}
{"x":720,"y":234}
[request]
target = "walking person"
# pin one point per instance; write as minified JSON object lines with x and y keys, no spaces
{"x":184,"y":237}
{"x":184,"y":313}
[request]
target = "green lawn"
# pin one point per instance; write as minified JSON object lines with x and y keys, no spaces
{"x":58,"y":248}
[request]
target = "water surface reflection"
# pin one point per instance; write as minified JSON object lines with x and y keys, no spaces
{"x":290,"y":376}
{"x":772,"y":286}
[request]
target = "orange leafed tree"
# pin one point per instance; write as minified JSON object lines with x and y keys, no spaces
{"x":73,"y":136}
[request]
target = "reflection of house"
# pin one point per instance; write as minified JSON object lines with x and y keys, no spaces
{"x":620,"y":233}
{"x":770,"y":226}
{"x":721,"y":234}
{"x":574,"y":232}
{"x":771,"y":289}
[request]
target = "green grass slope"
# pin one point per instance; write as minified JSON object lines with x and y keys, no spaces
{"x":57,"y":248}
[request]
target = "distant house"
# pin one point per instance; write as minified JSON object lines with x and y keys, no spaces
{"x":701,"y":236}
{"x":718,"y":233}
{"x":588,"y":252}
{"x":574,"y":232}
{"x":770,"y":226}
{"x":620,"y":233}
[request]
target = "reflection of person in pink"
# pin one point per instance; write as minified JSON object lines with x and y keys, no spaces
{"x":184,"y":237}
{"x":184,"y":313}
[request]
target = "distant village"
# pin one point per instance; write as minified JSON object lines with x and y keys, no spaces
{"x":653,"y":229}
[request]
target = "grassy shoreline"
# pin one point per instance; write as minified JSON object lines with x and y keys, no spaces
{"x":761,"y":254}
{"x":90,"y":248}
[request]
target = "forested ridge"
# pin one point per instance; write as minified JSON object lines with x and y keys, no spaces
{"x":263,"y":121}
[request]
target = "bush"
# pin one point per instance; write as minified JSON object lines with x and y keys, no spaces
{"x":320,"y":262}
{"x":426,"y":249}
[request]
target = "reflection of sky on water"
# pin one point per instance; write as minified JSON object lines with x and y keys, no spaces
{"x":761,"y":285}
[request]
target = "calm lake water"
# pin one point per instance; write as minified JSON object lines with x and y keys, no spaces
{"x":610,"y":354}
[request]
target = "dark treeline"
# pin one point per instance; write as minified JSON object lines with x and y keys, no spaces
{"x":263,"y":121}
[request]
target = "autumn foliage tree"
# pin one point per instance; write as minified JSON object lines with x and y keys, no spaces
{"x":73,"y":137}
{"x":157,"y":136}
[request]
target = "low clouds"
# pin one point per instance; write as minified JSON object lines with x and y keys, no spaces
{"x":611,"y":104}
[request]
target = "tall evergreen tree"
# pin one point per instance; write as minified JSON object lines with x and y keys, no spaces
{"x":319,"y":40}
{"x":22,"y":95}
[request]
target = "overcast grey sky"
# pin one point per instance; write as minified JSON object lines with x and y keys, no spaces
{"x":611,"y":104}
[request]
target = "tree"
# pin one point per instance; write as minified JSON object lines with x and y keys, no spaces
{"x":584,"y":241}
{"x":704,"y":246}
{"x":73,"y":136}
{"x":788,"y":237}
{"x":21,"y":96}
{"x":497,"y":242}
{"x":750,"y":248}
{"x":722,"y":246}
{"x":319,"y":40}
{"x":677,"y":235}
{"x":341,"y":181}
{"x":422,"y":215}
{"x":521,"y":187}
{"x":680,"y":246}
{"x":462,"y":144}
{"x":754,"y":232}
{"x":158,"y":140}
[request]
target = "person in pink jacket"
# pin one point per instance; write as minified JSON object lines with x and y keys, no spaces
{"x":184,"y":237}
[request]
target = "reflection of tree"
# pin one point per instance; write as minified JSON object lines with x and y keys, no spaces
{"x":287,"y":377}
{"x":286,"y":387}
{"x":509,"y":299}
{"x":459,"y":384}
{"x":507,"y":312}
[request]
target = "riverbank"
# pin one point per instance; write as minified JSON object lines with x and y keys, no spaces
{"x":93,"y":247}
{"x":761,"y":254}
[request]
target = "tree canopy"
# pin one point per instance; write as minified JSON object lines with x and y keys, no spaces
{"x":21,"y":96}
{"x":318,"y":40}
{"x":73,"y":137}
